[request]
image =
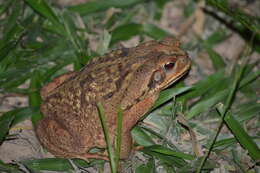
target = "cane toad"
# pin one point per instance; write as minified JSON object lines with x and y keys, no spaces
{"x":129,"y":77}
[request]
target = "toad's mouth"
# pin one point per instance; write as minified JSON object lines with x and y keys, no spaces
{"x":170,"y":82}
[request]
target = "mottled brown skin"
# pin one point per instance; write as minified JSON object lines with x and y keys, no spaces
{"x":129,"y":77}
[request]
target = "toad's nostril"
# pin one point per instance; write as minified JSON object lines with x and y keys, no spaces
{"x":183,"y":60}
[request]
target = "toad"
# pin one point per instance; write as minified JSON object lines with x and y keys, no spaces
{"x":131,"y":78}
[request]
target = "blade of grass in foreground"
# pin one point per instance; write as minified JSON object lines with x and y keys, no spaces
{"x":232,"y":92}
{"x":118,"y":136}
{"x":207,"y":103}
{"x":45,"y":10}
{"x":216,"y":59}
{"x":10,"y":118}
{"x":125,"y":32}
{"x":101,"y":5}
{"x":9,"y":168}
{"x":48,"y":164}
{"x":4,"y":127}
{"x":168,"y":94}
{"x":238,"y":15}
{"x":10,"y":40}
{"x":170,"y":160}
{"x":35,"y":84}
{"x":243,"y":138}
{"x":141,"y":137}
{"x":170,"y":152}
{"x":55,"y":164}
{"x":110,"y":149}
{"x":146,"y":168}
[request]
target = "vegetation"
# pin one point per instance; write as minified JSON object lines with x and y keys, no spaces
{"x":39,"y":40}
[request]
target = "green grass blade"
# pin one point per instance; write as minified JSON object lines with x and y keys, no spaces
{"x":9,"y":168}
{"x":168,"y":159}
{"x":204,"y":105}
{"x":4,"y":6}
{"x":9,"y":119}
{"x":12,"y":81}
{"x":250,"y":22}
{"x":101,"y":5}
{"x":168,"y":94}
{"x":249,"y":78}
{"x":53,"y":164}
{"x":10,"y":40}
{"x":146,"y":168}
{"x":125,"y":32}
{"x":34,"y":97}
{"x":154,"y":31}
{"x":232,"y":91}
{"x":207,"y":84}
{"x":216,"y":59}
{"x":19,"y":114}
{"x":118,"y":136}
{"x":42,"y":7}
{"x":111,"y":152}
{"x":246,"y":113}
{"x":163,"y":150}
{"x":104,"y":43}
{"x":224,"y":143}
{"x":5,"y":124}
{"x":241,"y":135}
{"x":215,"y":38}
{"x":141,"y":137}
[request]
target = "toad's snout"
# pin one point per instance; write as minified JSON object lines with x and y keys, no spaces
{"x":183,"y":62}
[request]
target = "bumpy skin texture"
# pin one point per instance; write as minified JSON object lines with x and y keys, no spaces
{"x":129,"y":77}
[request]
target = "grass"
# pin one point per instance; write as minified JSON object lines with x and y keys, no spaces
{"x":39,"y":41}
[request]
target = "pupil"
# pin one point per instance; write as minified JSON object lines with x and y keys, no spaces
{"x":169,"y":66}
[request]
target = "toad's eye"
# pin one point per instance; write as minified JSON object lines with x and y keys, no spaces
{"x":169,"y":66}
